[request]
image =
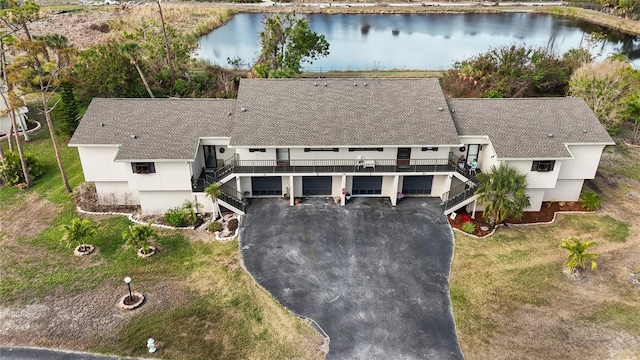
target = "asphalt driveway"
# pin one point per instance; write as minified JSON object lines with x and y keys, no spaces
{"x":375,"y":278}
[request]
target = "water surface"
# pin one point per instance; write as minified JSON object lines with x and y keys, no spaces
{"x":417,"y":41}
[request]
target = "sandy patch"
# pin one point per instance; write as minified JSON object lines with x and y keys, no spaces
{"x":18,"y":220}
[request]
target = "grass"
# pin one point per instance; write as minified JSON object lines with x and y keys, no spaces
{"x":617,"y":316}
{"x":214,"y":310}
{"x":190,"y":20}
{"x":516,"y":268}
{"x":33,"y":278}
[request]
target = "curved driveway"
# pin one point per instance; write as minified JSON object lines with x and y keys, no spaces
{"x":375,"y":278}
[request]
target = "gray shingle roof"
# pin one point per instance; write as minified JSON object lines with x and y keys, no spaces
{"x":165,"y":128}
{"x":306,"y":112}
{"x":520,"y":128}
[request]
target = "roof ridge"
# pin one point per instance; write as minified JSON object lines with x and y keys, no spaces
{"x":166,"y":99}
{"x":525,"y":98}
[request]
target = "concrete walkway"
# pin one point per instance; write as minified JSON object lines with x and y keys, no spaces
{"x":375,"y":278}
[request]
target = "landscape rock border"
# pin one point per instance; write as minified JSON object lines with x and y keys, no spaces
{"x":555,"y":215}
{"x":122,"y":306}
{"x":152,"y":251}
{"x":21,"y":133}
{"x":77,"y":252}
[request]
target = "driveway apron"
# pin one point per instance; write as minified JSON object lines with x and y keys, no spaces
{"x":374,"y":277}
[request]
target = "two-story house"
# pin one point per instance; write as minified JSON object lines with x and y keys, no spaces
{"x":330,"y":138}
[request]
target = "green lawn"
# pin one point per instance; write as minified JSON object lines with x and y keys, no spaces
{"x":213,"y":310}
{"x":513,"y":281}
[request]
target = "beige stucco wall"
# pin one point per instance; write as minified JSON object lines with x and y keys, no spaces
{"x":537,"y":179}
{"x":98,"y":164}
{"x":244,"y":154}
{"x":118,"y":190}
{"x":158,"y":202}
{"x":565,"y":190}
{"x":584,"y":163}
{"x":440,"y":185}
{"x":168,"y":176}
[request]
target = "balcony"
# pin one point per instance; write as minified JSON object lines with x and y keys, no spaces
{"x":237,"y":166}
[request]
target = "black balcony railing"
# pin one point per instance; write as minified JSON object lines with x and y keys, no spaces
{"x":334,"y":166}
{"x":228,"y":194}
{"x":232,"y":197}
{"x":459,"y":193}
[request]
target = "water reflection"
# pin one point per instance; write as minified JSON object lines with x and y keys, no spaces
{"x":418,"y":41}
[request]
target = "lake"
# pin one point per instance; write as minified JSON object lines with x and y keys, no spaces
{"x":418,"y":41}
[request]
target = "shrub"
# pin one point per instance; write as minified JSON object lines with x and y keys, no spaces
{"x":590,"y":201}
{"x":176,"y":217}
{"x":85,"y":196}
{"x":232,"y":225}
{"x":468,"y":227}
{"x":465,"y":218}
{"x":578,"y":255}
{"x":214,"y":226}
{"x":11,"y":172}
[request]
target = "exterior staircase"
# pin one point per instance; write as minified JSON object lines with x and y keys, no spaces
{"x":230,"y":198}
{"x":460,"y":195}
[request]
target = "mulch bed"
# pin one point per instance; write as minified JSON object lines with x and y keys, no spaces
{"x":545,"y":215}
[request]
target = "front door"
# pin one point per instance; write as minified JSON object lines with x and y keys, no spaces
{"x":282,"y":156}
{"x":472,"y":152}
{"x":209,"y":156}
{"x":404,"y":156}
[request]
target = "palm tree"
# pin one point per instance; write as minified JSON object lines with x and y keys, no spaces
{"x":138,"y":236}
{"x":192,"y":208}
{"x":213,"y":191}
{"x":502,"y":193}
{"x":76,"y":231}
{"x":132,"y":50}
{"x":578,"y":255}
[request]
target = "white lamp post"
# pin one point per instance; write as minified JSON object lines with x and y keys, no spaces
{"x":127,"y":280}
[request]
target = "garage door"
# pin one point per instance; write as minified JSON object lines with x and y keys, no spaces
{"x":269,"y":185}
{"x":316,"y":185}
{"x":367,"y":185}
{"x":417,"y":185}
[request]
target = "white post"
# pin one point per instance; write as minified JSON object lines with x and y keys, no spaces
{"x":343,"y":186}
{"x":473,"y":213}
{"x":291,"y":191}
{"x":394,"y":196}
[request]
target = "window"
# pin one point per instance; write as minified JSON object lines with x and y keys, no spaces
{"x":430,"y":148}
{"x":257,"y":150}
{"x":365,"y":149}
{"x":321,"y":149}
{"x":543,"y":166}
{"x":143,"y":168}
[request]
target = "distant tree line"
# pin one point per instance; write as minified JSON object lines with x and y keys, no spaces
{"x":610,"y":87}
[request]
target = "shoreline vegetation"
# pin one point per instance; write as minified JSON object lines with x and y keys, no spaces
{"x":198,"y":19}
{"x":592,"y":16}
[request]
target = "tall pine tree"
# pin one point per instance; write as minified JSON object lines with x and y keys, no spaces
{"x":70,"y":114}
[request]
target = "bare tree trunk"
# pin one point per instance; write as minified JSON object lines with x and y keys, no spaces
{"x":144,"y":80}
{"x":23,"y":161}
{"x":12,"y":118}
{"x":166,"y":44}
{"x":2,"y":153}
{"x":9,"y":138}
{"x":47,"y":116}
